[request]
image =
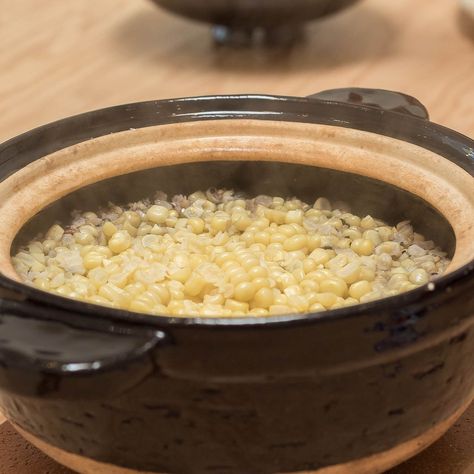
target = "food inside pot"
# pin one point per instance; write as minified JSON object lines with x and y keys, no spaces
{"x":219,"y":253}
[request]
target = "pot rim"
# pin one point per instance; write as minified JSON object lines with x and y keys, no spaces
{"x":457,"y":148}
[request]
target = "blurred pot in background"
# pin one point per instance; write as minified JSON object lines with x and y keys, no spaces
{"x":247,"y":22}
{"x":466,"y":17}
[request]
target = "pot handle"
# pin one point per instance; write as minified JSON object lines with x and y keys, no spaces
{"x":49,"y":353}
{"x":376,"y":98}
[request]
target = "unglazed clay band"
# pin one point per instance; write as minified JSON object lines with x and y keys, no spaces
{"x":447,"y":187}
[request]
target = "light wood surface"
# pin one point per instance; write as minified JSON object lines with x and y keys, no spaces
{"x":59,"y":58}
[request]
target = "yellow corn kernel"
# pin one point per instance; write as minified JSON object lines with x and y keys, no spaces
{"x":298,"y":302}
{"x":161,"y":292}
{"x":367,"y":222}
{"x":309,"y":265}
{"x":55,"y":233}
{"x":280,"y":309}
{"x":41,"y":283}
{"x":308,"y":285}
{"x":397,"y":280}
{"x":113,"y":294}
{"x":263,"y":298}
{"x":180,"y":274}
{"x":326,"y":299}
{"x":196,"y":225}
{"x":321,"y":256}
{"x":299,"y":274}
{"x":274,"y":215}
{"x":238,"y":276}
{"x":257,"y":272}
{"x":336,"y":263}
{"x":294,"y":217}
{"x":292,"y":290}
{"x":372,"y":235}
{"x":244,"y":291}
{"x":194,"y":285}
{"x":258,"y":312}
{"x":241,"y":221}
{"x":220,"y":223}
{"x":373,"y":295}
{"x":92,"y":260}
{"x":419,"y":276}
{"x":119,"y":279}
{"x":350,"y":272}
{"x":120,"y":241}
{"x":312,"y":297}
{"x":285,"y":279}
{"x":350,"y":301}
{"x":366,"y":273}
{"x":158,"y":214}
{"x":334,"y":285}
{"x":96,"y":299}
{"x":240,"y":306}
{"x":262,"y":282}
{"x":314,"y":242}
{"x":109,"y":229}
{"x":130,"y":229}
{"x":319,"y":275}
{"x":83,"y":238}
{"x":174,"y":306}
{"x":98,"y":276}
{"x":216,"y":299}
{"x":279,"y":298}
{"x":317,"y":307}
{"x":351,"y":220}
{"x":363,"y":246}
{"x":262,"y":237}
{"x":287,"y":230}
{"x":322,"y":204}
{"x":351,"y":233}
{"x":250,"y":263}
{"x":359,"y":289}
{"x":386,"y":233}
{"x":277,"y":237}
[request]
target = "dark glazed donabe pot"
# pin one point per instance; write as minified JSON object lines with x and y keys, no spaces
{"x":353,"y":390}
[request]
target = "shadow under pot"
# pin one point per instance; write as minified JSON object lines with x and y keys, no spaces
{"x":355,"y":389}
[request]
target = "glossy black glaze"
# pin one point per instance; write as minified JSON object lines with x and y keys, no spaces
{"x":242,"y":395}
{"x":242,"y":22}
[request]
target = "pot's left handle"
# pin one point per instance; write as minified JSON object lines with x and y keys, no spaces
{"x":45,"y":352}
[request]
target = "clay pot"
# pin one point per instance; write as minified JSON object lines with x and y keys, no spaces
{"x":352,"y":390}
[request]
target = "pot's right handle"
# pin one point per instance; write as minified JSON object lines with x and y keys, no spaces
{"x":376,"y":98}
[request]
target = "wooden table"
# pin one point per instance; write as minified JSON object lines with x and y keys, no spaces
{"x":59,"y":58}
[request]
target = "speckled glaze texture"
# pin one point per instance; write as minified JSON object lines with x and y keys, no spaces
{"x":252,"y":396}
